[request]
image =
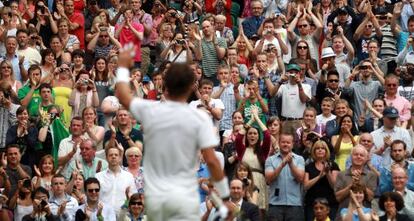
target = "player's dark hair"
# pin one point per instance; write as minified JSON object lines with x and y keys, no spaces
{"x":179,"y":79}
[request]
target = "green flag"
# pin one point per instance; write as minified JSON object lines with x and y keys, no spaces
{"x":59,"y":132}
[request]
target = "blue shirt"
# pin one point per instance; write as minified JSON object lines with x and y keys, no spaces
{"x":285,"y":190}
{"x":15,"y":63}
{"x":203,"y":172}
{"x":355,"y":217}
{"x":251,"y":25}
{"x":385,"y":178}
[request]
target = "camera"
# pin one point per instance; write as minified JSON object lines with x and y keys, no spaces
{"x":403,"y":69}
{"x":53,"y":116}
{"x":27,"y":183}
{"x":43,"y":204}
{"x":363,"y":67}
{"x":245,"y":182}
{"x":84,"y":81}
{"x":291,"y":75}
{"x":173,"y":14}
{"x":103,"y":29}
{"x":180,"y":41}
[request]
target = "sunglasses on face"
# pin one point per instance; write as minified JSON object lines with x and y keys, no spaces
{"x":302,"y":47}
{"x":136,"y":203}
{"x":333,"y":81}
{"x":93,"y":190}
{"x":302,"y":26}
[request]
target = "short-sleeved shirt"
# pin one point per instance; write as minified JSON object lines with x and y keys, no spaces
{"x":174,"y":134}
{"x":292,"y":106}
{"x":33,"y":106}
{"x":396,"y":133}
{"x":344,"y":178}
{"x":210,"y":62}
{"x":322,"y":188}
{"x":364,"y":90}
{"x":285,"y":190}
{"x":127,"y":36}
{"x":355,"y":216}
{"x":214,"y":103}
{"x":78,"y":18}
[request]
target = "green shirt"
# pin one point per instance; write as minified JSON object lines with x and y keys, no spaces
{"x":33,"y":106}
{"x":247,"y":111}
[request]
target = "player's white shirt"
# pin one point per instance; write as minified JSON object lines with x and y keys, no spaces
{"x":174,"y":133}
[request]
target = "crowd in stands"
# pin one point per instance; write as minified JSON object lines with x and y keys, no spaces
{"x":312,"y":101}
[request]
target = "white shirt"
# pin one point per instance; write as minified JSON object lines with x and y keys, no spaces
{"x":214,"y":103}
{"x":291,"y":105}
{"x":65,"y":147}
{"x":174,"y":134}
{"x":397,"y":133}
{"x":320,"y":119}
{"x":113,"y":187}
{"x":107,"y":212}
{"x":31,"y":54}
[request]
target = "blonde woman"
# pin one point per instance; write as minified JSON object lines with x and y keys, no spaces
{"x":320,"y":179}
{"x":7,"y":75}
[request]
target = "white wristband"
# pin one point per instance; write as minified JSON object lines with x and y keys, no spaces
{"x":122,"y":75}
{"x":222,"y":187}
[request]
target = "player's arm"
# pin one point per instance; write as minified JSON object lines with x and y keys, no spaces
{"x":213,"y":164}
{"x":125,"y":61}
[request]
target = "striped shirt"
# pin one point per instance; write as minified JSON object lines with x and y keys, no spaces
{"x":210,"y":62}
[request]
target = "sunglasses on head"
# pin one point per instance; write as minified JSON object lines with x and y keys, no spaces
{"x":322,"y":201}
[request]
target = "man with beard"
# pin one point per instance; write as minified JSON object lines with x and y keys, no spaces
{"x":397,"y":153}
{"x":330,"y":88}
{"x":94,"y":209}
{"x":365,"y":88}
{"x":32,"y":55}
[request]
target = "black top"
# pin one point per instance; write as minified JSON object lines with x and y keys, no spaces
{"x":134,"y":135}
{"x":400,"y":217}
{"x":322,"y":187}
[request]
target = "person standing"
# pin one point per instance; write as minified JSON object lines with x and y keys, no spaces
{"x":175,"y":133}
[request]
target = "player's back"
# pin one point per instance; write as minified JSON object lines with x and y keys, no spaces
{"x":173,"y":134}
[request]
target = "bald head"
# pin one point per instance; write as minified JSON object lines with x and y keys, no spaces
{"x":236,"y":190}
{"x":367,"y":141}
{"x":399,"y":178}
{"x":359,"y":156}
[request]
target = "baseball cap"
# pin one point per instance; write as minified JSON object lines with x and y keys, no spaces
{"x":390,"y":112}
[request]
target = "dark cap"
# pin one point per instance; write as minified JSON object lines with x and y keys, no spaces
{"x":255,"y":37}
{"x":390,"y":112}
{"x":342,"y":11}
{"x":146,"y":79}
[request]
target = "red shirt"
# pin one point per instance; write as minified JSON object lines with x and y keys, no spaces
{"x":78,"y":18}
{"x":126,"y":36}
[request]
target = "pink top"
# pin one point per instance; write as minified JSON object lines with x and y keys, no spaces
{"x":402,"y":105}
{"x":127,"y":36}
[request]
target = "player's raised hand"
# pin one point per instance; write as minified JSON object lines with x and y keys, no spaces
{"x":126,"y":56}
